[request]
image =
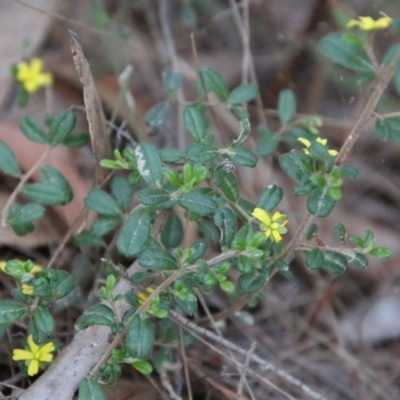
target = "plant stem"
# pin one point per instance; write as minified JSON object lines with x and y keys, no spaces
{"x":24,"y":179}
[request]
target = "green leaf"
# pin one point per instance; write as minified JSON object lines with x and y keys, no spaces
{"x":89,"y":389}
{"x":170,"y":155}
{"x":157,"y":115}
{"x":134,"y":234}
{"x":349,"y":172}
{"x":208,"y":230}
{"x":172,"y":80}
{"x":103,"y":203}
{"x":312,"y":230}
{"x":104,"y":225}
{"x":270,"y":198}
{"x":153,"y":196}
{"x":252,"y":281}
{"x":214,"y":83}
{"x":226,"y":182}
{"x":340,"y":231}
{"x":242,"y":156}
{"x":61,"y":126}
{"x":77,"y":140}
{"x":44,"y":321}
{"x":54,"y":189}
{"x":158,"y":259}
{"x":315,"y":258}
{"x":143,"y":367}
{"x":195,"y":122}
{"x":32,"y":130}
{"x":268,"y":141}
{"x":62,"y":284}
{"x":20,"y":215}
{"x":388,"y":129}
{"x":198,"y":247}
{"x":200,"y":153}
{"x":225,"y":219}
{"x":381,"y":252}
{"x":172,"y":233}
{"x":334,"y":263}
{"x":320,"y":203}
{"x":122,"y":191}
{"x":286,"y":106}
{"x":8,"y":162}
{"x":359,"y":260}
{"x":140,"y":337}
{"x":10,"y":311}
{"x":243,"y":94}
{"x":99,"y":314}
{"x":291,"y":165}
{"x":319,"y":151}
{"x":346,"y":54}
{"x":198,"y":202}
{"x":149,"y":163}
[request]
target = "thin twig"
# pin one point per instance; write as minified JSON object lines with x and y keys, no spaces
{"x":244,"y":371}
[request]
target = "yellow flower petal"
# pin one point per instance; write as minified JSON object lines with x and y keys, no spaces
{"x":322,"y":141}
{"x":36,"y":269}
{"x":3,"y":265}
{"x":27,"y":289}
{"x":276,"y":236}
{"x":306,"y":142}
{"x":32,"y":345}
{"x":19,"y":355}
{"x":261,"y":215}
{"x":33,"y":368}
{"x":47,"y":348}
{"x":369,"y":24}
{"x":333,"y":153}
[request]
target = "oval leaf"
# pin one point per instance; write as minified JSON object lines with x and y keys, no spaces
{"x":320,"y":203}
{"x":214,"y":83}
{"x":153,"y":196}
{"x":10,"y":311}
{"x":243,"y":94}
{"x":140,"y":337}
{"x":8,"y":162}
{"x":61,"y":126}
{"x":226,"y":182}
{"x":99,"y":314}
{"x":43,"y":320}
{"x":286,"y":106}
{"x":32,"y":130}
{"x":172,"y":234}
{"x":270,"y":198}
{"x":149,"y":163}
{"x":89,"y":389}
{"x":134,"y":233}
{"x":159,"y":259}
{"x":103,"y":203}
{"x":195,"y":122}
{"x":200,"y":153}
{"x":198,"y":202}
{"x":226,"y":220}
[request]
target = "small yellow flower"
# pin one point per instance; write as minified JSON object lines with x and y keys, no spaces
{"x":369,"y":24}
{"x":274,"y":226}
{"x":35,"y":270}
{"x":31,"y":76}
{"x":35,"y":355}
{"x":27,"y":289}
{"x":307,"y":143}
{"x":143,"y":296}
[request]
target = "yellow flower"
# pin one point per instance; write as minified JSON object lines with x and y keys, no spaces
{"x":35,"y":270}
{"x":143,"y":296}
{"x":307,"y":143}
{"x":31,"y":76}
{"x":274,"y":226}
{"x":27,"y":289}
{"x":35,"y":355}
{"x":368,"y":24}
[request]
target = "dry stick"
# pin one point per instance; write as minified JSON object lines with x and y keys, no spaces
{"x":243,"y":373}
{"x":185,"y":364}
{"x":291,"y":380}
{"x":24,"y":179}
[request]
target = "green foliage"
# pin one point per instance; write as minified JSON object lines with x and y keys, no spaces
{"x":8,"y":162}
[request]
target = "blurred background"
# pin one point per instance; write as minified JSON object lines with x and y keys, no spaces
{"x":340,"y":335}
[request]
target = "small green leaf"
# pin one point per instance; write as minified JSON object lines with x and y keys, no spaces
{"x":158,"y":259}
{"x":44,"y":321}
{"x":242,"y":156}
{"x":195,"y":122}
{"x":312,"y":230}
{"x":315,"y":258}
{"x":134,"y":233}
{"x":225,"y":219}
{"x":268,"y":141}
{"x":172,"y":233}
{"x":208,"y":230}
{"x":157,"y":115}
{"x":149,"y":163}
{"x":348,"y":55}
{"x":270,"y":198}
{"x":198,"y":202}
{"x":320,"y":203}
{"x":349,"y":172}
{"x":226,"y":182}
{"x":291,"y":165}
{"x":143,"y":367}
{"x":89,"y":389}
{"x":88,"y":239}
{"x":32,"y":130}
{"x":252,"y":281}
{"x":8,"y":162}
{"x":104,"y":225}
{"x":198,"y":247}
{"x":214,"y":83}
{"x":319,"y":151}
{"x":103,"y":203}
{"x":77,"y":140}
{"x":170,"y":155}
{"x":10,"y":311}
{"x":340,"y":231}
{"x":99,"y":314}
{"x":388,"y":129}
{"x":359,"y":260}
{"x":140,"y":337}
{"x":153,"y":196}
{"x":62,"y":284}
{"x":381,"y":252}
{"x":61,"y":126}
{"x":243,"y":94}
{"x":20,"y":215}
{"x":122,"y":191}
{"x":172,"y":80}
{"x":200,"y":153}
{"x":334,"y":263}
{"x":286,"y":106}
